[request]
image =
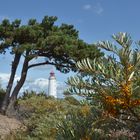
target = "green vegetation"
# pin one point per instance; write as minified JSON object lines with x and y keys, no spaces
{"x":42,"y":115}
{"x":51,"y":119}
{"x":40,"y":39}
{"x":110,"y":85}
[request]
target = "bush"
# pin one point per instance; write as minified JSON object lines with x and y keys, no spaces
{"x":79,"y":125}
{"x":52,"y":119}
{"x":41,"y":115}
{"x":72,"y":100}
{"x":27,"y":94}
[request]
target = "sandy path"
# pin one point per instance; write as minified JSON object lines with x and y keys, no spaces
{"x":7,"y":125}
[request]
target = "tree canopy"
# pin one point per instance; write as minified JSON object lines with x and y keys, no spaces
{"x":59,"y":45}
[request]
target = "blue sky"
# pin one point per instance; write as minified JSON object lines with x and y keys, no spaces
{"x":95,"y":19}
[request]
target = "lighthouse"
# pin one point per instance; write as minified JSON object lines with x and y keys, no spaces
{"x":52,"y":85}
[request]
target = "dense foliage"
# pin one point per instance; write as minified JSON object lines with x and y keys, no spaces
{"x":113,"y":82}
{"x":42,"y":115}
{"x":110,"y":109}
{"x":47,"y":118}
{"x":60,"y":46}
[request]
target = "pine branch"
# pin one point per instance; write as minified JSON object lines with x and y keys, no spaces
{"x":46,"y":63}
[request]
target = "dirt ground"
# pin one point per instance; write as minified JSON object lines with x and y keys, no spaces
{"x":8,"y":125}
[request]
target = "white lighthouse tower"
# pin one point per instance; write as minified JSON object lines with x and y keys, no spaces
{"x":52,"y":85}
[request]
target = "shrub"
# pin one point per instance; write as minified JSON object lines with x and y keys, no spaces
{"x":112,"y":82}
{"x":41,"y":115}
{"x":72,"y":100}
{"x":80,"y":124}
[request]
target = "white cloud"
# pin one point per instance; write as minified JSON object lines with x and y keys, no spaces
{"x":96,"y":8}
{"x":4,"y":78}
{"x":38,"y":84}
{"x":87,"y":7}
{"x":41,"y":82}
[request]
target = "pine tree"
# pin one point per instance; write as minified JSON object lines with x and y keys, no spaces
{"x":60,"y":46}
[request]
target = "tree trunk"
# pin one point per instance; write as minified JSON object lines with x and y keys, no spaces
{"x":10,"y":110}
{"x":11,"y":81}
{"x":13,"y":98}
